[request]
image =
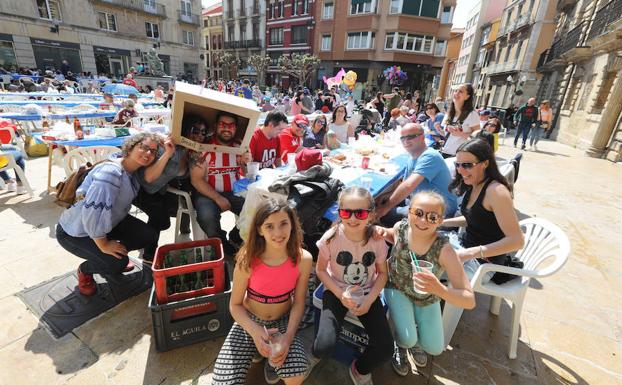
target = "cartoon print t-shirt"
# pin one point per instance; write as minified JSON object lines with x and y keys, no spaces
{"x":352,"y":263}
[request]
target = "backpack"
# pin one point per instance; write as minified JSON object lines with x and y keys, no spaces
{"x":66,"y":190}
{"x":311,"y":198}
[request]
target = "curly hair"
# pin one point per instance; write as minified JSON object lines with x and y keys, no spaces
{"x":133,"y":140}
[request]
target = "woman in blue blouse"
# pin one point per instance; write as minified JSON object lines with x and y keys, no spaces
{"x":98,"y":228}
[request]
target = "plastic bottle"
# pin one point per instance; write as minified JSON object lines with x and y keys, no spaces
{"x":76,"y":124}
{"x":45,"y":125}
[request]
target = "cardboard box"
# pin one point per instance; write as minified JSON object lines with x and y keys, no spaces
{"x":194,"y":100}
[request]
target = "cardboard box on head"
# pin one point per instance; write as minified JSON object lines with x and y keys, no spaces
{"x":192,"y":103}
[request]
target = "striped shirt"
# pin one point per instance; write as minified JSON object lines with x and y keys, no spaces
{"x":222,"y":169}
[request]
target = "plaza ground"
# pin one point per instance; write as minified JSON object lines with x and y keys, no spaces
{"x":571,"y":325}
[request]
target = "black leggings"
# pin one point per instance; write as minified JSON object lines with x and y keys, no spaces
{"x":133,"y":233}
{"x":380,"y":347}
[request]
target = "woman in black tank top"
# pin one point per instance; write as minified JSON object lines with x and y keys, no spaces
{"x":492,"y":229}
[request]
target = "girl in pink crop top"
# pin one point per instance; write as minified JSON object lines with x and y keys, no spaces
{"x":268,"y":296}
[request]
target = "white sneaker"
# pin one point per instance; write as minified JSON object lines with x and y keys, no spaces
{"x":358,"y":378}
{"x":20,"y":190}
{"x":11,"y":186}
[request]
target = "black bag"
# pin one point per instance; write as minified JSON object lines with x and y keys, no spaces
{"x":511,"y":261}
{"x":311,"y":199}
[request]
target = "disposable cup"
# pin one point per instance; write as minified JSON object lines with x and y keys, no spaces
{"x":276,"y":346}
{"x":351,"y":141}
{"x":252,"y":171}
{"x":354,"y":293}
{"x":291,"y":160}
{"x":366,"y":182}
{"x":417,"y":267}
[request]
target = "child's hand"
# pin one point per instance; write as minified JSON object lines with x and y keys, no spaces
{"x":261,"y":343}
{"x":426,"y":281}
{"x":279,"y":359}
{"x":364,"y":307}
{"x":379,"y":233}
{"x":348,"y":302}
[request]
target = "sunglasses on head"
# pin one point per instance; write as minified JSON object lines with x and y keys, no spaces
{"x":358,"y":213}
{"x":431,"y":217}
{"x":405,"y":138}
{"x":465,"y":165}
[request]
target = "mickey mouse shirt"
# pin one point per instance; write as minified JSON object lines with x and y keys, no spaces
{"x":349,"y":262}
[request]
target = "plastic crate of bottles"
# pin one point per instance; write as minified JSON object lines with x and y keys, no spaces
{"x":192,"y":320}
{"x":189,"y":269}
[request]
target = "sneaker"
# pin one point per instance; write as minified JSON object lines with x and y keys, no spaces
{"x":358,"y":378}
{"x":11,"y":186}
{"x":257,"y":358}
{"x":21,"y":190}
{"x":86,"y":285}
{"x":419,"y":356}
{"x":400,"y":361}
{"x":269,"y":373}
{"x":522,"y":147}
{"x":514,"y":145}
{"x":129,"y":267}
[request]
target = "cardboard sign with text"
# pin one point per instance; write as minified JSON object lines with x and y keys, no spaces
{"x":194,"y":103}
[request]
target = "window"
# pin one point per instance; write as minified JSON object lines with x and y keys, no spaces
{"x":507,"y":53}
{"x":230,"y":33}
{"x":327,"y":41}
{"x":205,"y":23}
{"x":282,"y":9}
{"x":276,"y":36}
{"x":186,"y":8}
{"x":207,"y":41}
{"x":242,"y":32}
{"x":300,"y":34}
{"x":255,"y":31}
{"x":425,"y":8}
{"x":440,"y":47}
{"x":48,"y":9}
{"x":603,"y":92}
{"x":153,"y":31}
{"x":305,"y":7}
{"x":446,"y":15}
{"x":507,"y":19}
{"x":271,"y":11}
{"x":362,"y":6}
{"x":395,"y":6}
{"x":106,"y":21}
{"x":408,"y":42}
{"x":294,"y":7}
{"x":518,"y":49}
{"x":361,"y":40}
{"x":187,"y":37}
{"x":329,"y":9}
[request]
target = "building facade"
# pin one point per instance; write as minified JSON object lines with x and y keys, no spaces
{"x":449,"y":65}
{"x":101,"y":36}
{"x":582,"y":76}
{"x":290,"y":26}
{"x":485,"y":54}
{"x":244,"y":29}
{"x":213,"y":40}
{"x":466,"y":69}
{"x":526,"y":30}
{"x":367,"y":36}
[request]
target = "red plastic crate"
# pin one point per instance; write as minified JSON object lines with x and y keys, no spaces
{"x":216,"y":267}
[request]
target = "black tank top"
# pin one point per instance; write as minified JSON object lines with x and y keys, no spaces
{"x":482,"y":226}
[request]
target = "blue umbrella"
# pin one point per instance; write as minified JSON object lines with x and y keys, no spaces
{"x":120,"y":89}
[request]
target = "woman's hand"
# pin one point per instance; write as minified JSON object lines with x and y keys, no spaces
{"x":169,"y":147}
{"x":426,"y":281}
{"x":114,"y":248}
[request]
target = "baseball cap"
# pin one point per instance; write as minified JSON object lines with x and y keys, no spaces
{"x":308,"y":158}
{"x":301,"y":120}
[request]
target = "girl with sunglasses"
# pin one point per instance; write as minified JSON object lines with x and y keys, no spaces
{"x":417,"y":316}
{"x":268,"y":297}
{"x":316,"y":136}
{"x":492,"y":229}
{"x":350,"y":258}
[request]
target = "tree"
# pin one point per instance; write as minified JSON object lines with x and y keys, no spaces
{"x":228,"y":62}
{"x":260,"y":63}
{"x":299,"y":66}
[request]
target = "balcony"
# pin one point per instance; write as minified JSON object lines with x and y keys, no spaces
{"x":188,"y":18}
{"x":255,"y":43}
{"x":605,"y":16}
{"x":523,"y":21}
{"x":499,"y":68}
{"x":143,"y":6}
{"x":563,"y":4}
{"x":569,"y":47}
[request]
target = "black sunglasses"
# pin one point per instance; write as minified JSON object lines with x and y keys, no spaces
{"x":465,"y":165}
{"x":405,"y":138}
{"x":358,"y":214}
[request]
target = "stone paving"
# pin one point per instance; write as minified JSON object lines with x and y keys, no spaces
{"x":571,"y":326}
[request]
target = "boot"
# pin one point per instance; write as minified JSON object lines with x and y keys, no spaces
{"x":86,"y":285}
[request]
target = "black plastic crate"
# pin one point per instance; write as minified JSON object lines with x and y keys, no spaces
{"x":191,"y":320}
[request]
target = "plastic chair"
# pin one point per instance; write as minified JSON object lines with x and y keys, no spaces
{"x":185,"y":207}
{"x":502,"y":133}
{"x":18,"y":170}
{"x":545,"y":251}
{"x":81,"y":155}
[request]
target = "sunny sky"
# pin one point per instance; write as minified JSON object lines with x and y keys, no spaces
{"x":460,"y":15}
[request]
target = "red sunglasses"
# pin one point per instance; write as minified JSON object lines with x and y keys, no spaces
{"x":358,"y":214}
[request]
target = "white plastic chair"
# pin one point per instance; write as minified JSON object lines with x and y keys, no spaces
{"x":502,"y":133}
{"x":546,"y":250}
{"x":81,"y":155}
{"x":185,"y":206}
{"x":18,"y":170}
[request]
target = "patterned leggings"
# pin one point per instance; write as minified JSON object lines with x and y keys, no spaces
{"x":234,"y":358}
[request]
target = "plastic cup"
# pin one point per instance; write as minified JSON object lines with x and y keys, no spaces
{"x":253,"y":171}
{"x":351,"y":141}
{"x":355,"y":293}
{"x":366,"y":182}
{"x":276,"y":346}
{"x":417,"y":267}
{"x":291,"y":160}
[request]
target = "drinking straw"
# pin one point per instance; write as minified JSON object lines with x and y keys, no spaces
{"x":414,"y":259}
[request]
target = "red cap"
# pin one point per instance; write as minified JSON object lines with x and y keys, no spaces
{"x":301,"y":120}
{"x":307,"y":158}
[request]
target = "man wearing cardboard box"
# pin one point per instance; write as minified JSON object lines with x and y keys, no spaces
{"x":213,"y":174}
{"x":265,"y":147}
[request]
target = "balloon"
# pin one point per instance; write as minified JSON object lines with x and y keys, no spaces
{"x":335,"y":80}
{"x":350,"y":79}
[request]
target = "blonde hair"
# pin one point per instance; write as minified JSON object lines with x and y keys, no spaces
{"x":431,"y":194}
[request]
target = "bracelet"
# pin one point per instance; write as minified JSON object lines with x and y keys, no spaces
{"x":481,"y":252}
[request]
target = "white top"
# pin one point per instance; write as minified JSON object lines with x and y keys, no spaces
{"x":340,"y":130}
{"x":453,"y":142}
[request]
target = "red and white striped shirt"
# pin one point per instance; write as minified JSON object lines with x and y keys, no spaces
{"x":222,"y":169}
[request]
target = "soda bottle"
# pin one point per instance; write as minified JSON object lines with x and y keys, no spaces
{"x":209,"y":253}
{"x":76,"y":124}
{"x":199,"y":280}
{"x":198,"y":255}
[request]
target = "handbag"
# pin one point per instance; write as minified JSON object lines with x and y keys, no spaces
{"x":511,"y":261}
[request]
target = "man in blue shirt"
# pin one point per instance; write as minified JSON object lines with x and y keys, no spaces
{"x":426,"y":171}
{"x":245,"y":90}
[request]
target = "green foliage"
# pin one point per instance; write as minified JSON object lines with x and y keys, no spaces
{"x":299,"y":66}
